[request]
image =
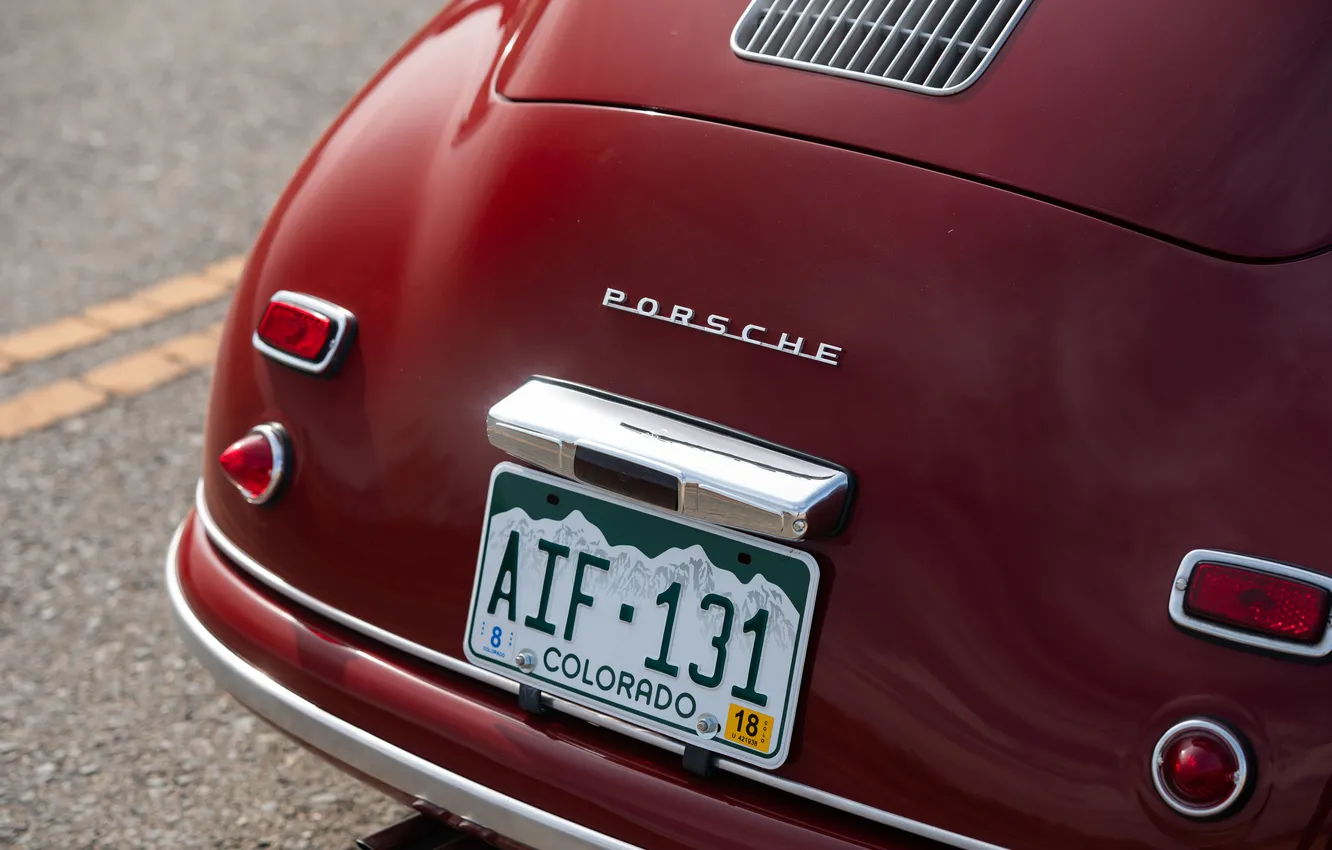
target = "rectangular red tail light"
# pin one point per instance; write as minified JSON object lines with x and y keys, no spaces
{"x":1258,"y":602}
{"x":305,"y":332}
{"x":294,"y":330}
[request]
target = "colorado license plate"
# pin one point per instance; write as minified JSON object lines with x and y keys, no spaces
{"x":660,"y":621}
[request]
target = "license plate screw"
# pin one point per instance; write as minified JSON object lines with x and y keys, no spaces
{"x":707,"y":725}
{"x":526,"y":660}
{"x":798,"y":526}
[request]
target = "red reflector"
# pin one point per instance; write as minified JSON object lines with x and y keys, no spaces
{"x":1199,"y":772}
{"x":296,"y":331}
{"x":255,"y":463}
{"x":1259,"y":602}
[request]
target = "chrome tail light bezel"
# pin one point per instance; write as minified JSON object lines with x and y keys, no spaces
{"x":1200,"y":725}
{"x":279,"y":446}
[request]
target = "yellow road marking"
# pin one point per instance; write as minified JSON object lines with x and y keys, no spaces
{"x":50,"y":339}
{"x":131,"y":375}
{"x":99,"y":321}
{"x":124,"y":313}
{"x":135,"y":373}
{"x":194,"y":350}
{"x":184,"y":292}
{"x":46,"y":406}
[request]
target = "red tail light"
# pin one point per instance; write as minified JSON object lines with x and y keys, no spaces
{"x":304,"y":332}
{"x":292,"y":330}
{"x":1199,"y":768}
{"x":1259,"y":602}
{"x":256,"y":463}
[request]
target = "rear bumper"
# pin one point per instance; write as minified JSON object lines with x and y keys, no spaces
{"x":458,"y":741}
{"x":356,"y":748}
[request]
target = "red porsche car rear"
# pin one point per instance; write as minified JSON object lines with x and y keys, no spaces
{"x":817,"y":423}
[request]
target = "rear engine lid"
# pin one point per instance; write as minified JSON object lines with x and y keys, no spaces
{"x":1204,"y":128}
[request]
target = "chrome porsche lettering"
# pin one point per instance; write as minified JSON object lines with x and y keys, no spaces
{"x":744,"y":334}
{"x":681,"y":314}
{"x":721,"y":326}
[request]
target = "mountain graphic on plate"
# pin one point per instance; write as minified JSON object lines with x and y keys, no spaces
{"x":636,"y":579}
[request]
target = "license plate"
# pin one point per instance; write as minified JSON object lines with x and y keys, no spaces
{"x":664,"y":622}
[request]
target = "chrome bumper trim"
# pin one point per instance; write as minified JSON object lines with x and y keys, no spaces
{"x":457,"y":665}
{"x":395,"y":767}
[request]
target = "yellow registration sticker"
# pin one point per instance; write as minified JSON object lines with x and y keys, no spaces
{"x":749,"y":728}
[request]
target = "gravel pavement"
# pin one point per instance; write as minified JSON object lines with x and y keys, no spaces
{"x":140,"y":140}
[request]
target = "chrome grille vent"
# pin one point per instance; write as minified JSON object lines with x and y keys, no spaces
{"x":928,"y":46}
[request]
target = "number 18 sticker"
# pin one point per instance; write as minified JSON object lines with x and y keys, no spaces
{"x":749,"y":728}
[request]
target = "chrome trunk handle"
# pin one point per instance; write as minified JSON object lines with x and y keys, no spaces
{"x":669,"y":461}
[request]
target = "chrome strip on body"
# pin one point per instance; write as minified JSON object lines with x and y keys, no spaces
{"x":1181,"y":616}
{"x":717,"y":477}
{"x":457,"y":665}
{"x":373,"y":756}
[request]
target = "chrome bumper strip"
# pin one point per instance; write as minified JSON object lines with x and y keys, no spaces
{"x":395,"y":767}
{"x":457,"y":665}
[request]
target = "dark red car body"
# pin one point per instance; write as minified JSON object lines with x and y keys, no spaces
{"x":1085,"y":318}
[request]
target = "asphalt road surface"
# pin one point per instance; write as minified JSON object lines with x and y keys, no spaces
{"x":141,"y":140}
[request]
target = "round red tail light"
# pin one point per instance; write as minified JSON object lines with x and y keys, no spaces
{"x":1199,"y":768}
{"x":255,"y":463}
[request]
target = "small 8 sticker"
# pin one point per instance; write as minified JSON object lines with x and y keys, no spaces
{"x":749,"y":728}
